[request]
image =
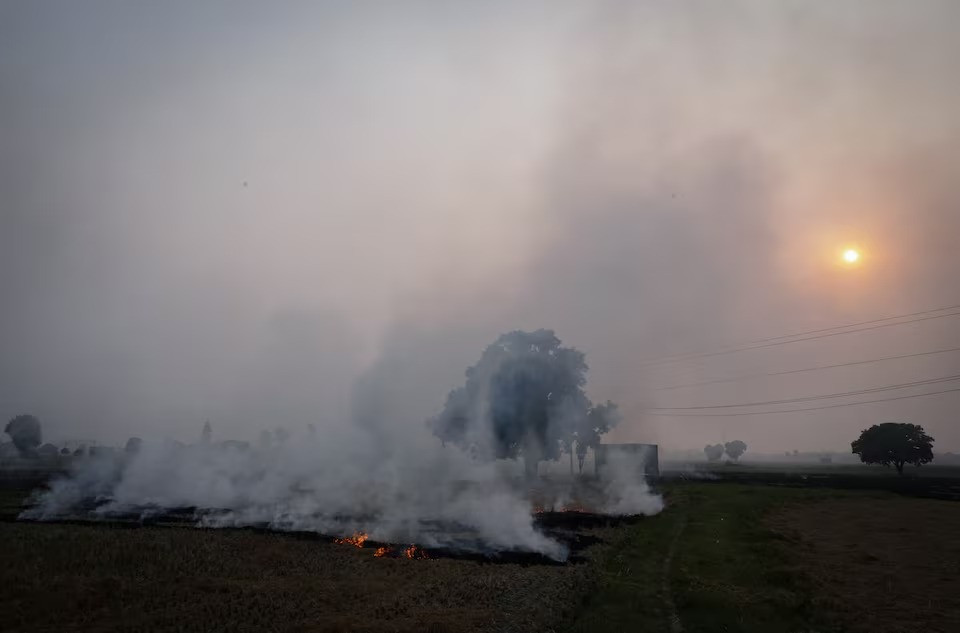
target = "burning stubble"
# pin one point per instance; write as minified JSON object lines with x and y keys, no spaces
{"x":436,"y":498}
{"x":340,"y":232}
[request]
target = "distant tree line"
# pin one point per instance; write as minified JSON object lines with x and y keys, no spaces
{"x":894,"y":444}
{"x":733,"y":450}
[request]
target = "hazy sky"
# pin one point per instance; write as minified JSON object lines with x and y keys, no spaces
{"x":280,"y":213}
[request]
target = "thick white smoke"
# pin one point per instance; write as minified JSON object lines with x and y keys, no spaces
{"x":384,"y":474}
{"x":436,"y":498}
{"x":625,"y":490}
{"x":397,"y":484}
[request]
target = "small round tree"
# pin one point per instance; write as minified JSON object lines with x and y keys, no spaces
{"x":735,"y":449}
{"x":24,"y":430}
{"x":713,"y":452}
{"x":895,"y":443}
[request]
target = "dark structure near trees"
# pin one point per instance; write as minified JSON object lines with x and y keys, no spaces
{"x":524,"y":398}
{"x":895,"y":443}
{"x":641,"y":458}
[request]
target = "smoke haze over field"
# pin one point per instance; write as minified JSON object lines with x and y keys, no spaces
{"x":433,"y":497}
{"x":322,"y":213}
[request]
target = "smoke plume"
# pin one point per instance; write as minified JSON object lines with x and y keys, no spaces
{"x":392,"y":483}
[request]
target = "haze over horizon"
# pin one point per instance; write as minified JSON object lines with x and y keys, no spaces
{"x":322,"y":213}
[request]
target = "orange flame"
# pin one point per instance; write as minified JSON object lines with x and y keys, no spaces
{"x":381,"y":552}
{"x":356,"y":540}
{"x":414,"y":552}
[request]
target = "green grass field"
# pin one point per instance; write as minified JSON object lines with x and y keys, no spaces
{"x":863,"y":470}
{"x":709,"y":563}
{"x":754,"y":558}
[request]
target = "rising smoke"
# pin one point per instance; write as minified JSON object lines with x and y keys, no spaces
{"x":399,"y":487}
{"x":318,"y":213}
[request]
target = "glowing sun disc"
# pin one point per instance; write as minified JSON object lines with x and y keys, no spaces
{"x":850,"y":256}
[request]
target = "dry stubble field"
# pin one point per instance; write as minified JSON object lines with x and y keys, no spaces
{"x":743,"y":558}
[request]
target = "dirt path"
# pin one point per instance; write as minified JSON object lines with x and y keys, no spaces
{"x":673,"y":616}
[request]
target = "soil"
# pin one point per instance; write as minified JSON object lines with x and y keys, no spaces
{"x":882,"y":565}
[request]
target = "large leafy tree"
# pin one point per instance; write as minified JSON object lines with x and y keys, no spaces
{"x":24,"y":430}
{"x":896,"y":443}
{"x":523,"y":398}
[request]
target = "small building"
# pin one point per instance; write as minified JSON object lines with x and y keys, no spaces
{"x":645,"y":458}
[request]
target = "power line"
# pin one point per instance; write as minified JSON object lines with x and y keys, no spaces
{"x":838,"y":327}
{"x":681,"y":358}
{"x":827,"y":406}
{"x":827,"y":329}
{"x":841,"y":394}
{"x":808,"y":369}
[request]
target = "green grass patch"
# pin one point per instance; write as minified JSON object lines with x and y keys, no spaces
{"x":707,"y":563}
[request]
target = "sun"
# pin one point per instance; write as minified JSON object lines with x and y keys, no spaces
{"x":851,"y":255}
